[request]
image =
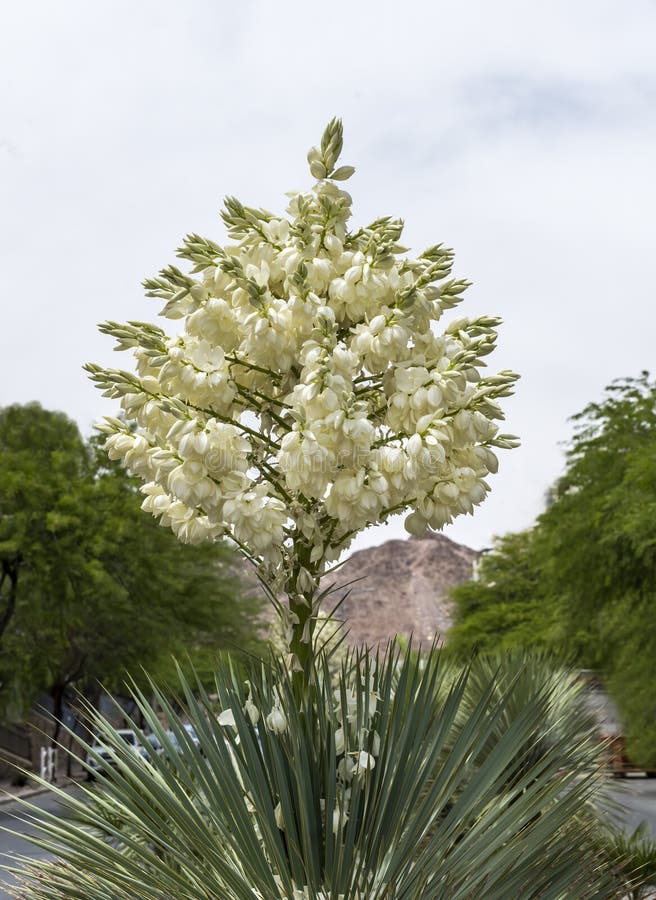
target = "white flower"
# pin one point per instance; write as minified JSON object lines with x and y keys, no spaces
{"x":276,"y":721}
{"x":416,"y":524}
{"x":345,"y":769}
{"x":227,"y":718}
{"x":256,"y":517}
{"x":340,"y":818}
{"x":409,"y":379}
{"x":365,"y":762}
{"x":252,"y":711}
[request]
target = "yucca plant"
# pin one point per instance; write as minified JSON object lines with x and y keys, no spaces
{"x":308,"y":397}
{"x":386,"y":782}
{"x":520,"y":676}
{"x":634,"y":855}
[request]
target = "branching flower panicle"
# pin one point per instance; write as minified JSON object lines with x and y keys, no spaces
{"x":309,"y":392}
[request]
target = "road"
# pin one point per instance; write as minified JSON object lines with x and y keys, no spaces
{"x":636,"y":796}
{"x":14,"y":844}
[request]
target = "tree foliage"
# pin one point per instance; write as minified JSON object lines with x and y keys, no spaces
{"x":583,"y":580}
{"x":90,"y":586}
{"x":503,"y":607}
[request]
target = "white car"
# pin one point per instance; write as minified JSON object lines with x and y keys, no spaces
{"x":156,"y":745}
{"x":191,"y":732}
{"x":100,"y":751}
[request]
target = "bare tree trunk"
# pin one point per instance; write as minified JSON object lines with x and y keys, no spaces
{"x":10,"y":569}
{"x":57,"y":692}
{"x":89,"y":701}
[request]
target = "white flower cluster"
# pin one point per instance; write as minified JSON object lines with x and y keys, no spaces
{"x":357,"y":743}
{"x":309,"y":393}
{"x":355,"y":709}
{"x":303,"y":893}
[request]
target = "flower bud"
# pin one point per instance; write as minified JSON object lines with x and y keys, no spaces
{"x":377,"y":324}
{"x":252,"y":711}
{"x":318,"y":170}
{"x":276,"y":721}
{"x":333,"y":244}
{"x":415,"y":524}
{"x":343,"y":173}
{"x":325,"y":314}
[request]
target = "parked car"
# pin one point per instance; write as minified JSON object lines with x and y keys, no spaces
{"x":191,"y":731}
{"x":101,"y":757}
{"x":154,"y":743}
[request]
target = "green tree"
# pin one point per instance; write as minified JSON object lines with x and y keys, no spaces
{"x":41,"y":456}
{"x":583,"y":580}
{"x":600,"y":543}
{"x":503,"y":606}
{"x":92,"y":587}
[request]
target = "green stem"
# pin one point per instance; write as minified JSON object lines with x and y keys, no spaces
{"x":269,"y":474}
{"x":211,"y":413}
{"x":301,"y":605}
{"x":240,"y":362}
{"x":252,"y":397}
{"x":387,"y":440}
{"x":264,"y":397}
{"x":244,"y":549}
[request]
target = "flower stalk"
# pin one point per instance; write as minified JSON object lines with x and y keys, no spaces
{"x":309,"y":392}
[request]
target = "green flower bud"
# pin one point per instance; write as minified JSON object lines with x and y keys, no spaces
{"x":343,"y":173}
{"x":318,"y":169}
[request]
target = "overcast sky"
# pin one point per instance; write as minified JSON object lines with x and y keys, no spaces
{"x":521,"y":134}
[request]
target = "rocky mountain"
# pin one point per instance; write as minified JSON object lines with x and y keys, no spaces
{"x":401,"y":587}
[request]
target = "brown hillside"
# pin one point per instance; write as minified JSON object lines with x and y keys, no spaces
{"x":402,"y":588}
